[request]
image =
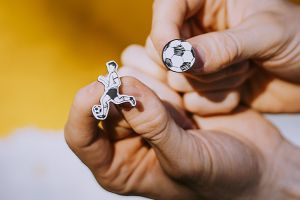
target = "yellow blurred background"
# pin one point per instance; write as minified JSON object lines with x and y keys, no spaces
{"x":51,"y":48}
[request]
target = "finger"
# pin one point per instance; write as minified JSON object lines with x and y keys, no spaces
{"x":190,"y":28}
{"x":164,"y":92}
{"x":221,"y":85}
{"x":217,"y":50}
{"x":151,"y":120}
{"x":152,"y":53}
{"x":211,"y":103}
{"x":171,"y":100}
{"x":143,"y":63}
{"x":179,"y":82}
{"x":239,"y":69}
{"x":266,"y":93}
{"x":225,"y":79}
{"x":116,"y":125}
{"x":168,"y":18}
{"x":172,"y":144}
{"x":82,"y":132}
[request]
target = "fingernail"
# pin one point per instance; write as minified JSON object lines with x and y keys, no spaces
{"x":199,"y":61}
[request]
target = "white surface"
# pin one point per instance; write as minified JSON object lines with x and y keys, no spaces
{"x":38,"y":165}
{"x":289,"y":125}
{"x":35,"y":165}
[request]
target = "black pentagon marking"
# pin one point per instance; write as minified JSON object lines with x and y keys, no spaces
{"x":166,"y":46}
{"x":179,"y":50}
{"x":168,"y":63}
{"x":193,"y":53}
{"x":185,"y":66}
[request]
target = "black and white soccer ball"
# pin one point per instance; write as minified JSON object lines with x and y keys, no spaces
{"x":178,"y":55}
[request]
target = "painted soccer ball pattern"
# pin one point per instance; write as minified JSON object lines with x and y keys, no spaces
{"x":178,"y":55}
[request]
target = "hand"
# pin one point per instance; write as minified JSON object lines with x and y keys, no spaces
{"x":266,"y":93}
{"x":262,"y":91}
{"x":144,"y":150}
{"x":226,"y":35}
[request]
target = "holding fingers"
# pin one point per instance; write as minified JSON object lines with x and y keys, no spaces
{"x":143,"y":151}
{"x":231,"y":40}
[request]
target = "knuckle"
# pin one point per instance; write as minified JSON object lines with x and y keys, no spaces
{"x":225,"y":45}
{"x":154,"y":127}
{"x":130,"y":81}
{"x":232,"y":47}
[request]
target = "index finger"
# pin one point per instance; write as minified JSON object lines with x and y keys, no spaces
{"x":168,"y":17}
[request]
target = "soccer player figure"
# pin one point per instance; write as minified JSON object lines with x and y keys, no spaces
{"x":111,"y":84}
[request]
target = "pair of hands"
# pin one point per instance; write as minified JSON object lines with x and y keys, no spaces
{"x":155,"y":150}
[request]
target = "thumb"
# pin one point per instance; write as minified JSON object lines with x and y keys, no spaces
{"x":249,"y":40}
{"x":150,"y":118}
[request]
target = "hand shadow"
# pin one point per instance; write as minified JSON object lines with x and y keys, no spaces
{"x":254,"y":83}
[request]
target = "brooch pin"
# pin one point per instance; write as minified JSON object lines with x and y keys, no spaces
{"x":178,"y":55}
{"x":111,"y":93}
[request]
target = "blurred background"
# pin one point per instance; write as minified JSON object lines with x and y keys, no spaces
{"x":48,"y":50}
{"x":51,"y":48}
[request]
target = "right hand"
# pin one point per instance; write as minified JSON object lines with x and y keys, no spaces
{"x":262,"y":91}
{"x":226,"y":35}
{"x":150,"y":151}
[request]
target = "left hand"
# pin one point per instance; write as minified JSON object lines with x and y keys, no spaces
{"x":154,"y":151}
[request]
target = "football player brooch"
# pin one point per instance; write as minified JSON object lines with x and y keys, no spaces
{"x":111,"y":93}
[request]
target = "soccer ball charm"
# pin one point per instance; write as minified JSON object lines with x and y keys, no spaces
{"x":178,"y":55}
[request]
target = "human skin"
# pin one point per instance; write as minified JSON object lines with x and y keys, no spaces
{"x":263,"y":91}
{"x":154,"y":150}
{"x":232,"y":39}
